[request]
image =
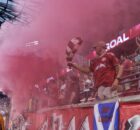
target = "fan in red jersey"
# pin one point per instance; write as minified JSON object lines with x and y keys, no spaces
{"x":106,"y":71}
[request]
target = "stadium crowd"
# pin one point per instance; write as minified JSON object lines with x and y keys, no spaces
{"x":73,"y":86}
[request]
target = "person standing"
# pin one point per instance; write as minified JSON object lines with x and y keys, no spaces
{"x":106,"y":71}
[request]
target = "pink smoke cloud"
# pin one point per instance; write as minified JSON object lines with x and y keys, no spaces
{"x":53,"y":23}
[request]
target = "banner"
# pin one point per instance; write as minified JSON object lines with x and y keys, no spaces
{"x":106,"y":116}
{"x":63,"y":119}
{"x":130,"y":116}
{"x":123,"y":38}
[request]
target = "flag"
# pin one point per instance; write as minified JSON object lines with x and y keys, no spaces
{"x":106,"y":116}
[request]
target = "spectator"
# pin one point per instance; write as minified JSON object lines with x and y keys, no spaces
{"x":137,"y":57}
{"x":127,"y":64}
{"x":87,"y":91}
{"x":62,"y":92}
{"x":73,"y":88}
{"x":106,"y":70}
{"x":52,"y":93}
{"x":137,"y":52}
{"x":87,"y":81}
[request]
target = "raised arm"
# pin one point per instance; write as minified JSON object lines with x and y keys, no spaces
{"x":79,"y":67}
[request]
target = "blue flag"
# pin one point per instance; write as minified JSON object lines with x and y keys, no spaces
{"x":106,"y":116}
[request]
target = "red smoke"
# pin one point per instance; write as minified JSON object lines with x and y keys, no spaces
{"x":53,"y":23}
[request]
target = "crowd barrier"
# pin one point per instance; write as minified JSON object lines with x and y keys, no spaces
{"x":81,"y":116}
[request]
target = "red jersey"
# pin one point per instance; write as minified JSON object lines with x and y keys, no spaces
{"x":103,"y":69}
